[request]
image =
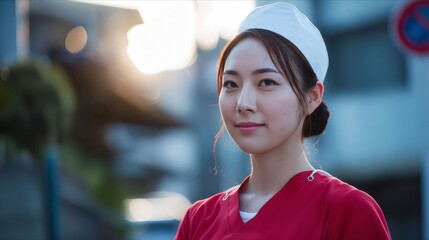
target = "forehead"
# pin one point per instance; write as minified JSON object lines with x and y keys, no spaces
{"x":249,"y":54}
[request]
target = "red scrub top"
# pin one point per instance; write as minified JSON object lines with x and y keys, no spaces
{"x":322,"y":207}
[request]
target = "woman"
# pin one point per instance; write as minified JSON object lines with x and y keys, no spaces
{"x":270,"y":85}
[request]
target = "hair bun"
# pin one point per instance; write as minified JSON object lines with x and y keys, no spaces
{"x":316,"y":122}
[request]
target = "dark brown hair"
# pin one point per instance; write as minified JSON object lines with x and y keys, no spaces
{"x":294,"y":67}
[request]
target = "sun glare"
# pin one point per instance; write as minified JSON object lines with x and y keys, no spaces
{"x":166,"y":40}
{"x":173,"y":30}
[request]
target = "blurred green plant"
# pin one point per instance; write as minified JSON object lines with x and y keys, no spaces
{"x":36,"y":106}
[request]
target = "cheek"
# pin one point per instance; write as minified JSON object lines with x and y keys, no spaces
{"x":226,"y":106}
{"x":289,"y":109}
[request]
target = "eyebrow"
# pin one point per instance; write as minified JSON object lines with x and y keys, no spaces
{"x":257,"y":71}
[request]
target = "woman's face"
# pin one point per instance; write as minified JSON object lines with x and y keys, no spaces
{"x":258,"y":106}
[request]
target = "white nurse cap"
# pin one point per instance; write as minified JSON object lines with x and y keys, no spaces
{"x":286,"y":20}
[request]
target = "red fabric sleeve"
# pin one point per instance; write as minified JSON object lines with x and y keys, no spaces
{"x":184,"y":227}
{"x":356,"y":216}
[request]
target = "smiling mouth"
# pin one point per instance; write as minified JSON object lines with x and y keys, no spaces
{"x":248,"y":127}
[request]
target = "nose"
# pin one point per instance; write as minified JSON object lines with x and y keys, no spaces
{"x":246,"y":101}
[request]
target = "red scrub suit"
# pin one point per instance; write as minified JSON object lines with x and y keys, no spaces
{"x":322,"y":207}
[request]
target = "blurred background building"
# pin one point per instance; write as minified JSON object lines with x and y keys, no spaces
{"x":108,"y":113}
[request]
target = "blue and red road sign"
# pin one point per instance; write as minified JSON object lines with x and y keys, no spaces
{"x":411,"y":26}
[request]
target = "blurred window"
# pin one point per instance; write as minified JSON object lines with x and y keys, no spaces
{"x":364,"y":58}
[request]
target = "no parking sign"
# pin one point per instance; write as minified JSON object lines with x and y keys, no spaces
{"x":411,"y":26}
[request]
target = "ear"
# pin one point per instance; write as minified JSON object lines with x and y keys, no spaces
{"x":314,"y":97}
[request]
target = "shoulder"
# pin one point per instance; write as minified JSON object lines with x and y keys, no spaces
{"x":345,"y":197}
{"x":337,"y":189}
{"x":343,"y":194}
{"x":210,"y":207}
{"x":198,"y":215}
{"x":212,"y":202}
{"x":206,"y":204}
{"x":353,"y":212}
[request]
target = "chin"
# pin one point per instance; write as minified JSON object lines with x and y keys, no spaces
{"x":249,"y":149}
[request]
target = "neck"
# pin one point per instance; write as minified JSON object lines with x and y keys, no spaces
{"x":272,"y":170}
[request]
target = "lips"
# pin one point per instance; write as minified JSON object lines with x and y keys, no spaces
{"x":248,"y":127}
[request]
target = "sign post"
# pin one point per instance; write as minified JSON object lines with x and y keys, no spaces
{"x":410,"y":27}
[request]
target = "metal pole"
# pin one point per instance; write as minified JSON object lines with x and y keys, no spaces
{"x":52,"y":192}
{"x":419,"y":69}
{"x":425,"y":164}
{"x":425,"y":196}
{"x":8,"y":28}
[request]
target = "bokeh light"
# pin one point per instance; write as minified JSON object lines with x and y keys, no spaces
{"x":76,"y":39}
{"x":158,"y":206}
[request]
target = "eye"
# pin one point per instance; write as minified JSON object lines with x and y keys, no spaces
{"x":229,"y":84}
{"x":267,"y":83}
